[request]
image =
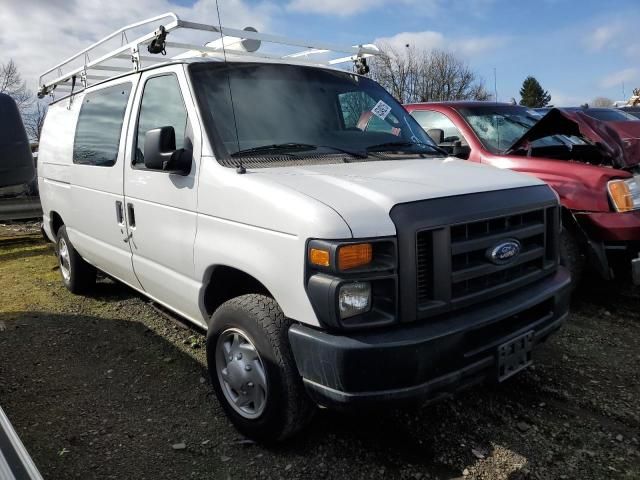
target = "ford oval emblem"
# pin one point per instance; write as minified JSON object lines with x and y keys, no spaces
{"x":504,"y":252}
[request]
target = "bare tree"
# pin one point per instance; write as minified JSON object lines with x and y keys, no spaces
{"x":602,"y":102}
{"x":34,"y":120}
{"x":414,"y":75}
{"x":11,"y":83}
{"x":396,"y":70}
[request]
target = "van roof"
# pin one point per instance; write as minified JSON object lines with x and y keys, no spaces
{"x":91,"y":66}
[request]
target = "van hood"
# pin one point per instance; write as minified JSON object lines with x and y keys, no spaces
{"x":363,"y":193}
{"x":617,"y":142}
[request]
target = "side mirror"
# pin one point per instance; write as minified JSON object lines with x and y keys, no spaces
{"x":461,"y":151}
{"x":437,"y":135}
{"x":160,"y":152}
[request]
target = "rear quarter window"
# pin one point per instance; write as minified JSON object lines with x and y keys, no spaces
{"x":97,"y":137}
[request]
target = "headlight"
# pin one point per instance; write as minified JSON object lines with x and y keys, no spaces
{"x":353,"y":283}
{"x":625,"y":194}
{"x":354,"y":299}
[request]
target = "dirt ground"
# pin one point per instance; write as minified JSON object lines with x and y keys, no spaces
{"x":104,"y":386}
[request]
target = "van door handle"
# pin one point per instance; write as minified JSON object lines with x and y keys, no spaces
{"x":131,"y":215}
{"x":120,"y":213}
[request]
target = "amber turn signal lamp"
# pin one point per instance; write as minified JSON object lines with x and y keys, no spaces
{"x":621,"y":195}
{"x":319,"y":257}
{"x":356,"y":255}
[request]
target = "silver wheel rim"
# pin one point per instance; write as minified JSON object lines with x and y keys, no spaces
{"x":64,"y":259}
{"x":241,"y":373}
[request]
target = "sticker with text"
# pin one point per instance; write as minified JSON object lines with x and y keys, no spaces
{"x":381,"y":110}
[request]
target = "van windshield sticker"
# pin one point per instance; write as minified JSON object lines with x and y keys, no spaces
{"x":381,"y":110}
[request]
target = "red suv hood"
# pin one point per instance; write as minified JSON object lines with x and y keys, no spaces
{"x":618,"y":141}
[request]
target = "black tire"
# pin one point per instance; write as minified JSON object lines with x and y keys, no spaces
{"x":287,"y":408}
{"x":572,"y":255}
{"x":77,"y":275}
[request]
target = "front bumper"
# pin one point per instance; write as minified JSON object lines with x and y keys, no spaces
{"x":611,"y":226}
{"x":426,"y":359}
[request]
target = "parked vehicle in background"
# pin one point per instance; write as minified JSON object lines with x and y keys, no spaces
{"x":16,"y":161}
{"x":300,"y":215}
{"x":605,"y":114}
{"x":632,"y":105}
{"x":17,"y":168}
{"x":634,"y":111}
{"x":592,"y":165}
{"x":599,"y":113}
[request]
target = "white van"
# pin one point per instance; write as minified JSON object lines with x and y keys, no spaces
{"x":302,"y":217}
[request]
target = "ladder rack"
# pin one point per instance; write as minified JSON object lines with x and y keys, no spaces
{"x":81,"y":71}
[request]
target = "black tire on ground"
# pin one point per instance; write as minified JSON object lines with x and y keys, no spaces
{"x":572,"y":255}
{"x":287,"y":408}
{"x":77,"y":275}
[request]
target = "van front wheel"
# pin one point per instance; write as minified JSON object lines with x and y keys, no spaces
{"x":77,"y":275}
{"x":253,"y":371}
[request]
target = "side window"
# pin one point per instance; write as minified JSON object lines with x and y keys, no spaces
{"x":97,"y":138}
{"x":435,"y":121}
{"x":355,"y":104}
{"x":161,"y":106}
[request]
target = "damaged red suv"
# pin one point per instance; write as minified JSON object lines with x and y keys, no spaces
{"x":593,"y":166}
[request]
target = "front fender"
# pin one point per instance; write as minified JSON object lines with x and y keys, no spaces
{"x":274,"y":259}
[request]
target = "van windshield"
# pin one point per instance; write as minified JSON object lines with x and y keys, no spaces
{"x":273,"y":114}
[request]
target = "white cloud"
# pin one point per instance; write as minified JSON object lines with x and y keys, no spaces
{"x":616,"y":78}
{"x":426,"y":40}
{"x":38,"y":34}
{"x":603,"y":36}
{"x":561,"y":99}
{"x":475,"y":46}
{"x":429,"y":40}
{"x":425,"y":8}
{"x":341,"y":8}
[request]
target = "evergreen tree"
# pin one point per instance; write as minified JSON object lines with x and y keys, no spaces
{"x":533,"y":95}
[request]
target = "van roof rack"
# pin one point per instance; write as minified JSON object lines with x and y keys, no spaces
{"x":82,"y":66}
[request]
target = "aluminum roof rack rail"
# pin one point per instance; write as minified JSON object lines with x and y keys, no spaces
{"x":88,"y":67}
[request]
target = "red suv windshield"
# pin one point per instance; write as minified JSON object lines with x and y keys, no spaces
{"x":499,"y":126}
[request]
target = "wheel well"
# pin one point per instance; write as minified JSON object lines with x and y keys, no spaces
{"x":56,"y":223}
{"x":227,"y":283}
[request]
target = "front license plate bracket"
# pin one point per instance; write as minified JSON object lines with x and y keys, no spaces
{"x":515,"y":355}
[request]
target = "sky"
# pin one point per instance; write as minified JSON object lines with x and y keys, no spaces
{"x":578,"y":50}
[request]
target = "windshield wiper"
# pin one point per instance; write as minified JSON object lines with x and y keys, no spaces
{"x":373,"y":148}
{"x":283,"y":147}
{"x":274,"y":148}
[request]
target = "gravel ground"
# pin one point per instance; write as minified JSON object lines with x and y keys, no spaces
{"x":108,"y":387}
